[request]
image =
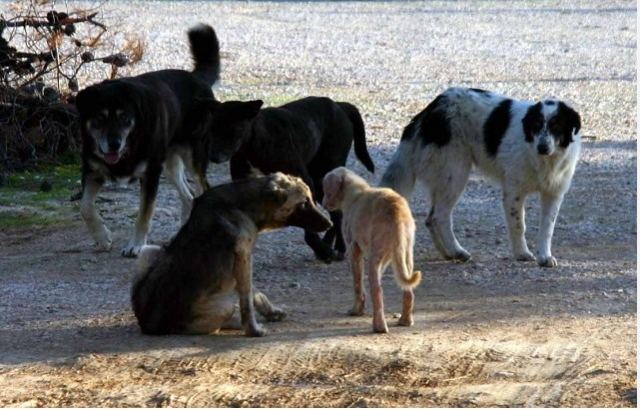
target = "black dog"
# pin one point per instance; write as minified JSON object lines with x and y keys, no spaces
{"x":192,"y":285}
{"x":307,"y":138}
{"x":131,"y":126}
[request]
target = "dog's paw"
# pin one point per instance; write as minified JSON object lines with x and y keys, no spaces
{"x":103,"y":240}
{"x":276,"y":315}
{"x":525,"y":256}
{"x":405,"y":321}
{"x":338,"y":256}
{"x":103,"y":246}
{"x":132,"y":249}
{"x":547,"y":261}
{"x":356,"y":311}
{"x":460,"y":256}
{"x":380,"y":327}
{"x":255,"y":330}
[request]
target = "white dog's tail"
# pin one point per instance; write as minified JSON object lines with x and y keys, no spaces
{"x":400,"y":175}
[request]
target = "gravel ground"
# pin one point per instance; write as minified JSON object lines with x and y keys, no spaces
{"x":491,"y":332}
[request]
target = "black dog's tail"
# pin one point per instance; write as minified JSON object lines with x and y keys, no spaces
{"x":205,"y":50}
{"x":359,"y":138}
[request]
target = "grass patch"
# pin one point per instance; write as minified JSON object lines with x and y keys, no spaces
{"x":40,"y":197}
{"x":27,"y":219}
{"x":25,"y":188}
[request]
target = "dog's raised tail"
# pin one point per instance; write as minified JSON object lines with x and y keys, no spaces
{"x":359,"y":136}
{"x":205,"y":50}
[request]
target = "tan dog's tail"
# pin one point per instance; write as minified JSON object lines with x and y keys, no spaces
{"x":402,"y":267}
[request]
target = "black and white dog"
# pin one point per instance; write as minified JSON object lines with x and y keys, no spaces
{"x":526,"y":146}
{"x":132,"y":127}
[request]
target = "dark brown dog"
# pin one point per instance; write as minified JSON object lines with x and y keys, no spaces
{"x":190,"y":286}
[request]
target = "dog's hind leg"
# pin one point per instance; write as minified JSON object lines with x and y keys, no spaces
{"x":101,"y":235}
{"x":445,"y":188}
{"x":266,"y":308}
{"x":402,"y":264}
{"x":175,"y":174}
{"x":148,"y":192}
{"x":210,"y":314}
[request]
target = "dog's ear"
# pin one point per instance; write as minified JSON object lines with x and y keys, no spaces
{"x":236,"y":111}
{"x":333,"y":184}
{"x":571,"y":123}
{"x":207,"y":103}
{"x":85,"y":99}
{"x":275,"y":194}
{"x":532,"y":122}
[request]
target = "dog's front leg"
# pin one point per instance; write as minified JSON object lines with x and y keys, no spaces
{"x":357,"y":268}
{"x":99,"y":232}
{"x":549,"y":212}
{"x":148,"y":193}
{"x":243,"y":272}
{"x":513,"y":203}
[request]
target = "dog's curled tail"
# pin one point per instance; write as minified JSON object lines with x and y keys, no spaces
{"x":359,"y":136}
{"x":400,"y":175}
{"x":205,"y":50}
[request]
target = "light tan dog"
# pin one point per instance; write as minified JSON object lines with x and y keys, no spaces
{"x":377,"y":225}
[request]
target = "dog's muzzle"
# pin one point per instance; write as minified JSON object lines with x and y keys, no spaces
{"x":219,"y":157}
{"x":309,"y":217}
{"x":543,"y":149}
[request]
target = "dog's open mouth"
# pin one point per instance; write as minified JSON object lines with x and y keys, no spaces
{"x":111,"y":157}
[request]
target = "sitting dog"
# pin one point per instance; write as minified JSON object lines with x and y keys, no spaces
{"x":376,"y":224}
{"x":526,"y":146}
{"x":307,"y":138}
{"x":131,"y":126}
{"x":191,"y":285}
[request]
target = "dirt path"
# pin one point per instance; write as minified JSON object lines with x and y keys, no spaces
{"x":491,"y":332}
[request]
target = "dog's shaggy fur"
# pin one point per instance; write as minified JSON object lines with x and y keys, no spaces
{"x":307,"y":138}
{"x":131,"y":126}
{"x":191,"y":285}
{"x":377,"y":225}
{"x":526,"y":146}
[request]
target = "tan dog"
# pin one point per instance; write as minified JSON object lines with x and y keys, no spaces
{"x":377,"y":225}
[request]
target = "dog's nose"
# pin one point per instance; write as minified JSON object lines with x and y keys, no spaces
{"x":114,"y":145}
{"x":543,"y":149}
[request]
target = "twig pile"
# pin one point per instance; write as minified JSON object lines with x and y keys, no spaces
{"x":42,"y":55}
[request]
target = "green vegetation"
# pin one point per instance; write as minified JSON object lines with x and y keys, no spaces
{"x":39,"y":198}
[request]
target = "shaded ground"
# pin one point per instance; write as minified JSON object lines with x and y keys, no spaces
{"x":490,"y":332}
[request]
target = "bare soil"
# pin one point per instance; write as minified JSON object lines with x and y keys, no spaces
{"x":489,"y":332}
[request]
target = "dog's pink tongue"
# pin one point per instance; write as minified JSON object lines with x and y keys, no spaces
{"x":111,"y":158}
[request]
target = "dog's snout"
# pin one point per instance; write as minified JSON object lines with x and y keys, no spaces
{"x":114,"y":144}
{"x":219,"y":157}
{"x":543,"y":149}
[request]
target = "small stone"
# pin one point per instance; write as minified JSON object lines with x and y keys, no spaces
{"x":46,"y":186}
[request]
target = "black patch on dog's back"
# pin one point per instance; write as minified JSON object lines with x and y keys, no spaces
{"x":532,"y":122}
{"x":496,"y":125}
{"x":434,"y":124}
